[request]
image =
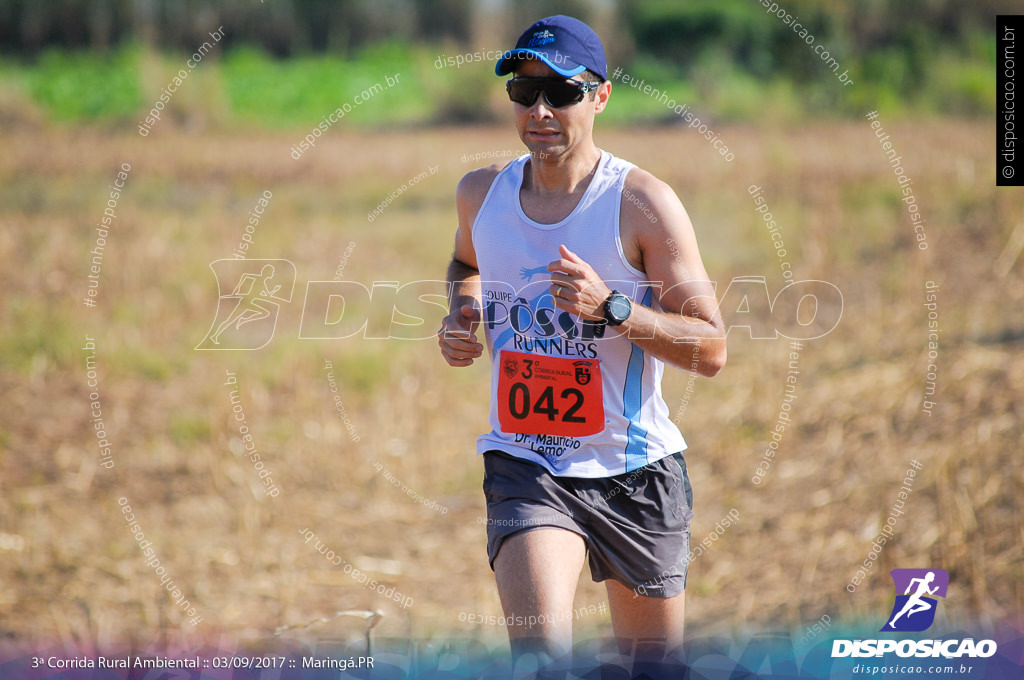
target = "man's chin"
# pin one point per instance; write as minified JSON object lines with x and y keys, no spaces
{"x":543,"y":150}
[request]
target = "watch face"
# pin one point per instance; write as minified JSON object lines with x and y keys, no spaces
{"x":618,"y":308}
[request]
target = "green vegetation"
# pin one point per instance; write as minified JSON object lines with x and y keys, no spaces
{"x":300,"y":92}
{"x":84,"y":85}
{"x":728,"y":60}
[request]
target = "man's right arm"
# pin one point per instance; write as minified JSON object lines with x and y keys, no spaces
{"x":463,"y":271}
{"x":456,"y":337}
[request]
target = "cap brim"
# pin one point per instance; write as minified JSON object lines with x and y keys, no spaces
{"x":504,"y":65}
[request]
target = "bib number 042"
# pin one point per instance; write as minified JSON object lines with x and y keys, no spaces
{"x":519,"y":403}
{"x":549,"y":395}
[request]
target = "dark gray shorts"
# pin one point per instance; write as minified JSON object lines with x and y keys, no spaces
{"x":636,"y":525}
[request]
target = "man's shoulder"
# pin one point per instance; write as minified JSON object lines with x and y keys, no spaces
{"x":647,"y":200}
{"x":475,"y":183}
{"x":645,"y":185}
{"x":472,"y":190}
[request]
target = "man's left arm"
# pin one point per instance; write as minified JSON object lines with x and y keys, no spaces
{"x":689,"y":333}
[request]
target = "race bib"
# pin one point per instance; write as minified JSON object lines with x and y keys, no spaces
{"x":539,"y":394}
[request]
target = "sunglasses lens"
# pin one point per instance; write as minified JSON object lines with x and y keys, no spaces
{"x":522,"y":91}
{"x":557,"y":92}
{"x":562,"y":93}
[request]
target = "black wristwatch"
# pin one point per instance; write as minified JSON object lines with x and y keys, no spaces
{"x":617,"y":308}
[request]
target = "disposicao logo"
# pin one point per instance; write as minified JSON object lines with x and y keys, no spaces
{"x":248,"y":298}
{"x":914,"y":611}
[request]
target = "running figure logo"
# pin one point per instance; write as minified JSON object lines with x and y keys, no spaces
{"x":914,"y":610}
{"x":527,"y":273}
{"x":247,"y":315}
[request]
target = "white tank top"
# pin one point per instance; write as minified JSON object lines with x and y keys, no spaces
{"x":564,"y":394}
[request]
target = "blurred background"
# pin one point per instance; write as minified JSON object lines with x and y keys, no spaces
{"x":287,"y":63}
{"x":372,"y":199}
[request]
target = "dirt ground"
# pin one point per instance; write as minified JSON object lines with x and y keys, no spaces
{"x":71,"y":571}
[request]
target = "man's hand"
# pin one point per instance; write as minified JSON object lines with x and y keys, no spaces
{"x":576,"y":287}
{"x":457,"y":336}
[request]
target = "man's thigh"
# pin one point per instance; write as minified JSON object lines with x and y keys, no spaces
{"x":536,"y":571}
{"x":538,"y":567}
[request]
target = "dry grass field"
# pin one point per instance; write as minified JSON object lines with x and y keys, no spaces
{"x":71,"y":571}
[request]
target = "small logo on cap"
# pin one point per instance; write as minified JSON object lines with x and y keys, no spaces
{"x":541,"y":38}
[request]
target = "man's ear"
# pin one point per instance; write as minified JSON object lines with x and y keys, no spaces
{"x":603,"y":92}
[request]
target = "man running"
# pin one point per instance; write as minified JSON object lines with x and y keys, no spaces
{"x":250,"y":305}
{"x":916,"y":602}
{"x":581,"y":302}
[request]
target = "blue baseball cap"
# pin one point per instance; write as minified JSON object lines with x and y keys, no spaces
{"x":566,"y":45}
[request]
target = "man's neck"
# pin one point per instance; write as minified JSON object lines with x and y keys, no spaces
{"x":566,"y":175}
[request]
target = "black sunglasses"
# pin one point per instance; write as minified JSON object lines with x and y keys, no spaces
{"x":558,"y":92}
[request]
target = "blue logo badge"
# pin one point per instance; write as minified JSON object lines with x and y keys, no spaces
{"x":914,"y":610}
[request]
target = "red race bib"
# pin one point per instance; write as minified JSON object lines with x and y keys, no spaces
{"x":539,"y":394}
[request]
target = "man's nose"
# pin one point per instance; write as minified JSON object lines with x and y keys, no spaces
{"x":540,"y":108}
